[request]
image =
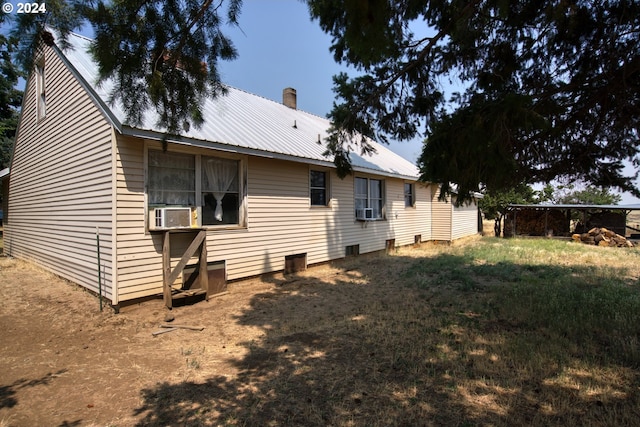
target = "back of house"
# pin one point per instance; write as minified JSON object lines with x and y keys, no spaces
{"x":250,"y":192}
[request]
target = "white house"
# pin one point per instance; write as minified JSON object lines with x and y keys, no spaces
{"x":248,"y":193}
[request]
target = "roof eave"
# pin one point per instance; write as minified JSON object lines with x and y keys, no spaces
{"x":220,"y":146}
{"x":574,"y":206}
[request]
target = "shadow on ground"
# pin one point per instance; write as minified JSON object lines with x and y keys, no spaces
{"x":429,"y":346}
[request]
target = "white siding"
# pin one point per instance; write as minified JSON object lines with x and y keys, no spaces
{"x":137,"y":257}
{"x":441,"y":211}
{"x":464,"y":221}
{"x":60,"y":188}
{"x":280,"y":222}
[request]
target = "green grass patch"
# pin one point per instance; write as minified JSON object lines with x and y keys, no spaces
{"x":549,"y":287}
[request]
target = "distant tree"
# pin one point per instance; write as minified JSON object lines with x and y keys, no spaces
{"x":494,"y":204}
{"x":552,"y":88}
{"x":546,"y":194}
{"x":587,"y":195}
{"x":10,"y":98}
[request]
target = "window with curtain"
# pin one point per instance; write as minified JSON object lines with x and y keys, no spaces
{"x":369,"y":194}
{"x":213,"y":184}
{"x":171,"y":178}
{"x":220,"y":191}
{"x":318,"y":188}
{"x":362,"y":193}
{"x":375,"y":197}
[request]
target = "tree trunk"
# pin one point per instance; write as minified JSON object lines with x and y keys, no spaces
{"x":496,"y":226}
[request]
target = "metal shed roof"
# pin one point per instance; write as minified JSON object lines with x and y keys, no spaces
{"x":631,"y":207}
{"x":238,"y":121}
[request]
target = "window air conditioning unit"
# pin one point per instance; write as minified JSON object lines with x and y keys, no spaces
{"x":365,"y":214}
{"x":167,"y":218}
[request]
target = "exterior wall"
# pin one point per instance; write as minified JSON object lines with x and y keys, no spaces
{"x":280,"y":222}
{"x":72,"y":175}
{"x":442,"y":214}
{"x":464,"y":221}
{"x":136,"y":256}
{"x":61,"y":176}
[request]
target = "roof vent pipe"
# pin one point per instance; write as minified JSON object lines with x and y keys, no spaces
{"x":289,"y":97}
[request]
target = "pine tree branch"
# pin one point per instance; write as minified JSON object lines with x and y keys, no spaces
{"x":175,"y":53}
{"x":383,"y":88}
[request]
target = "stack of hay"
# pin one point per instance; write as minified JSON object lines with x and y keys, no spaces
{"x":602,"y":237}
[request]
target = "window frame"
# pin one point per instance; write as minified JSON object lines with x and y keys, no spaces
{"x":411,"y":195}
{"x":198,"y":188}
{"x":189,"y":193}
{"x":41,"y":93}
{"x":237,"y":191}
{"x":382,"y":200}
{"x":325,"y":189}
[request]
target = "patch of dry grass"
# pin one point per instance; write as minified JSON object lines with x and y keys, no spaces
{"x":493,"y":332}
{"x":482,"y":332}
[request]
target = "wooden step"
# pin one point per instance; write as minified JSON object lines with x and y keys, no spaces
{"x":187,"y":293}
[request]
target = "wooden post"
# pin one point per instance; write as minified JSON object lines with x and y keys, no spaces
{"x":169,"y":276}
{"x":203,"y":272}
{"x":166,"y":270}
{"x":546,"y":222}
{"x":193,"y":247}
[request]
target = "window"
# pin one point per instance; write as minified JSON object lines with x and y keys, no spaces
{"x":41,"y":105}
{"x":409,"y":199}
{"x":220,"y":199}
{"x":318,"y":188}
{"x":211,"y":183}
{"x":369,"y":194}
{"x":172,"y":179}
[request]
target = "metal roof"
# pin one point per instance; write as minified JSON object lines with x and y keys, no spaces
{"x":238,"y":121}
{"x":577,"y":206}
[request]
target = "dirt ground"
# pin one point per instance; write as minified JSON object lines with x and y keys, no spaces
{"x":325,"y":347}
{"x":65,"y":363}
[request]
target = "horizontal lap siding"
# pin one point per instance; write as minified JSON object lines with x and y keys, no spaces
{"x":61,"y":182}
{"x":441,"y":212}
{"x":465,"y":221}
{"x":280,"y":222}
{"x":407,"y":222}
{"x":139,"y":261}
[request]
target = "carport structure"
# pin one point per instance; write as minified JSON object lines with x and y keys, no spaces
{"x":555,"y":219}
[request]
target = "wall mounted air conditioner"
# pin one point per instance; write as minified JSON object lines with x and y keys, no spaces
{"x":365,"y":214}
{"x":168,"y":218}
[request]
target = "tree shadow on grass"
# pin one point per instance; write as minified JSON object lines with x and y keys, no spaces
{"x":432,"y":346}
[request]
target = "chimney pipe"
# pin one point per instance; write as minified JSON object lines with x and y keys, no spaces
{"x":289,"y":98}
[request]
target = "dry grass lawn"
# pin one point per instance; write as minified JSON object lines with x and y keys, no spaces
{"x":486,"y":332}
